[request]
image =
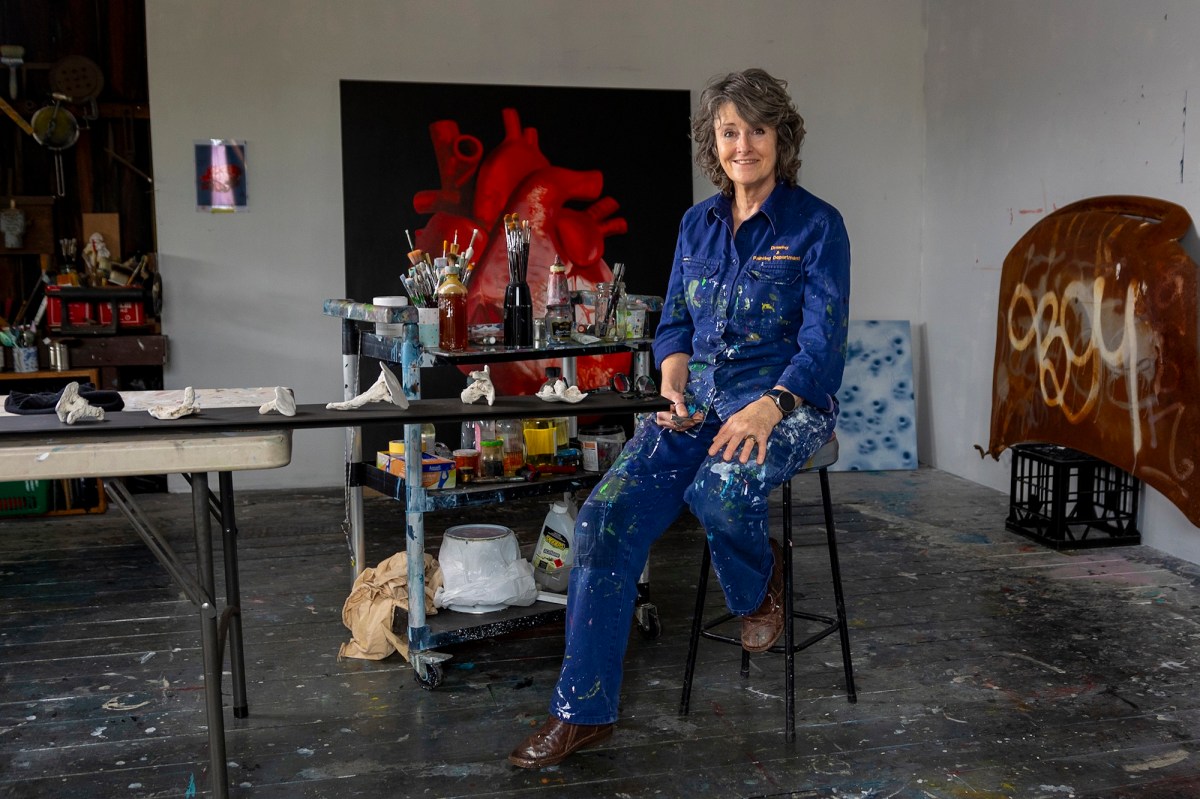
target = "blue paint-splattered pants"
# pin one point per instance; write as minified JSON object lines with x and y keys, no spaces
{"x":641,"y":495}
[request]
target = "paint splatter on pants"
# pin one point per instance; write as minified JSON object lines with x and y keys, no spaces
{"x":658,"y":473}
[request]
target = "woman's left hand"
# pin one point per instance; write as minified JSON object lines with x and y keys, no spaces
{"x":747,"y":431}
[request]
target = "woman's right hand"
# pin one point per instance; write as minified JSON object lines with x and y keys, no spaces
{"x":674,"y":383}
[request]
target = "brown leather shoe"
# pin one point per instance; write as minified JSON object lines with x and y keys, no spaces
{"x":762,"y":628}
{"x":555,"y":741}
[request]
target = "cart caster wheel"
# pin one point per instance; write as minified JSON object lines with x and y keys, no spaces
{"x":648,"y":623}
{"x":433,"y":676}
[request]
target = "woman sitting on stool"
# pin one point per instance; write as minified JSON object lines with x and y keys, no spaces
{"x":751,"y":347}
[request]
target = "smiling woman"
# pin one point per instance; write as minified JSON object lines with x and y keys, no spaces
{"x":751,"y":348}
{"x":747,"y":154}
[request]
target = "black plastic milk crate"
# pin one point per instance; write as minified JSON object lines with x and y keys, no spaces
{"x":1067,"y":500}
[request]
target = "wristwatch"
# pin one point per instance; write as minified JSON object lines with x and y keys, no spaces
{"x":784,"y":400}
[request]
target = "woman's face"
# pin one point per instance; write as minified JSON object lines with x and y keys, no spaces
{"x":747,"y":152}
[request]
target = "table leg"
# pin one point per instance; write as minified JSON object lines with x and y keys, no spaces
{"x":233,"y":601}
{"x":209,"y":638}
{"x":415,"y":507}
{"x":355,"y":537}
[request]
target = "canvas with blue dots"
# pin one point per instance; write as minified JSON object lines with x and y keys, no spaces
{"x":877,"y":427}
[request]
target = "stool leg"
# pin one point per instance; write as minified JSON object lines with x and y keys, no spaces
{"x":694,"y":641}
{"x":843,"y":628}
{"x":789,"y":635}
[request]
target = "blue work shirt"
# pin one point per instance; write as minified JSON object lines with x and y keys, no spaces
{"x":769,"y":306}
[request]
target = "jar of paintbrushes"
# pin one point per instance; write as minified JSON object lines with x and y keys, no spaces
{"x":518,"y":301}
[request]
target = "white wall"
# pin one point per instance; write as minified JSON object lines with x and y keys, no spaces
{"x":244,"y":292}
{"x":1032,"y":105}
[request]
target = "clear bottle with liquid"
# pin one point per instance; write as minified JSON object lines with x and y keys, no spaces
{"x":557,"y":292}
{"x":512,"y":433}
{"x":559,"y":314}
{"x":540,"y":441}
{"x":452,"y":312}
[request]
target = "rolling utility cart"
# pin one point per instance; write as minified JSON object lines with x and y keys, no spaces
{"x":360,"y":341}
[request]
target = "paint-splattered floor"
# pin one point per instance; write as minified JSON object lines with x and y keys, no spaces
{"x":987,"y":666}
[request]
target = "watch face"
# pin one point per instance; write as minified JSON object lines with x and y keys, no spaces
{"x":786,"y":401}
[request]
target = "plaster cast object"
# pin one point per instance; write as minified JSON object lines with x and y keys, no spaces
{"x":284,"y":402}
{"x":188,"y":406}
{"x":386,"y":388}
{"x":560,"y":392}
{"x":481,"y":388}
{"x":72,"y":408}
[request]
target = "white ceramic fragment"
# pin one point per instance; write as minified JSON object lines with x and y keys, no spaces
{"x":386,"y":388}
{"x":480,"y":388}
{"x":284,"y":402}
{"x":187,"y":407}
{"x":71,"y":407}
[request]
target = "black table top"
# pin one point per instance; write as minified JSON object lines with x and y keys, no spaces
{"x":210,"y":420}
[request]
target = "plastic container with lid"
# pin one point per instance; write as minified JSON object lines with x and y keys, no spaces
{"x":601,"y":445}
{"x":491,"y":459}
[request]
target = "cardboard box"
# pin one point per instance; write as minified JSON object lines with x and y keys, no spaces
{"x":435,"y":472}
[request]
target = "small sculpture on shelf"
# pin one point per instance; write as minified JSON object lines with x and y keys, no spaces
{"x":559,"y":391}
{"x":284,"y":402}
{"x":72,"y":408}
{"x":12,"y":224}
{"x":185,"y":407}
{"x":98,"y":258}
{"x":480,"y":388}
{"x":386,"y":388}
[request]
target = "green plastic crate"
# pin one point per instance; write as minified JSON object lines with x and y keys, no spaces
{"x":23,"y":497}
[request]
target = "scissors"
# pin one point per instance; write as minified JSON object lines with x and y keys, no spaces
{"x":640,"y":387}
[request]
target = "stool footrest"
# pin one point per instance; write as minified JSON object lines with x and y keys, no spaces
{"x":831,"y":627}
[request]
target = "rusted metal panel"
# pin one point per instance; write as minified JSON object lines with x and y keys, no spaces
{"x":1096,"y":341}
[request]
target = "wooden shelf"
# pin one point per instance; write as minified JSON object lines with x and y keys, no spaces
{"x":59,"y":379}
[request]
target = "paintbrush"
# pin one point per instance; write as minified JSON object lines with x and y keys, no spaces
{"x":469,"y":253}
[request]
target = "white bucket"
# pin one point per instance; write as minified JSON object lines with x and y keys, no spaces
{"x":483,"y":570}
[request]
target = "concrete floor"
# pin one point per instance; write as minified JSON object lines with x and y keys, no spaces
{"x":987,"y":666}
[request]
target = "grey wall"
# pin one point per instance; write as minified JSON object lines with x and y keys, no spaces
{"x":244,"y":292}
{"x":941,"y":128}
{"x":1031,"y":106}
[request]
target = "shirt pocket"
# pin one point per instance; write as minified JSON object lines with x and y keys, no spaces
{"x":700,"y":283}
{"x":775,"y":274}
{"x":772,"y":301}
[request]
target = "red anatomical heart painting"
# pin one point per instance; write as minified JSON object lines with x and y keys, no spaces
{"x":601,"y":175}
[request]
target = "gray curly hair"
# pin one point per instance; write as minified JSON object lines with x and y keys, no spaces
{"x":760,"y":99}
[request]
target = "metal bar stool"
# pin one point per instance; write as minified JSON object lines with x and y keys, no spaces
{"x":825,"y":457}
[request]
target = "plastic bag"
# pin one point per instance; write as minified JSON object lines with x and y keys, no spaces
{"x":482,"y":570}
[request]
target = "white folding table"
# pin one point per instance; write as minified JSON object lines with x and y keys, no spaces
{"x":42,"y":448}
